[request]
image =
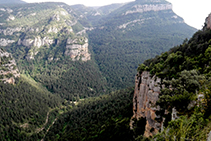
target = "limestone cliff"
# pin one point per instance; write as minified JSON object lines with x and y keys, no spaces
{"x":149,"y":7}
{"x":147,"y":90}
{"x":8,"y":68}
{"x":208,"y":22}
{"x":78,"y":49}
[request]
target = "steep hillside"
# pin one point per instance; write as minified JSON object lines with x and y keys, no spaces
{"x":173,"y":90}
{"x":49,"y":44}
{"x":90,"y":16}
{"x":64,"y":56}
{"x":102,"y":118}
{"x":12,"y":2}
{"x":133,"y":33}
{"x":24,"y":102}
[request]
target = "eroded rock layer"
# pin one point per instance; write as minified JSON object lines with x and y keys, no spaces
{"x":147,"y":90}
{"x":8,"y":68}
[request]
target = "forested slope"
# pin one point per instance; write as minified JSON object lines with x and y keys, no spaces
{"x":185,"y":73}
{"x":44,"y":40}
{"x":101,"y":118}
{"x":133,"y":33}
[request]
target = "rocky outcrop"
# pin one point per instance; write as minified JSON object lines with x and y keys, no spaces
{"x":10,"y":31}
{"x":208,"y":22}
{"x":5,"y":42}
{"x":34,"y":45}
{"x":78,"y":49}
{"x":11,"y":18}
{"x":8,"y":68}
{"x":126,"y":24}
{"x":147,"y":90}
{"x":37,"y":42}
{"x":146,"y":8}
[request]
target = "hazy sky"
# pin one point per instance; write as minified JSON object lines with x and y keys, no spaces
{"x":194,"y":12}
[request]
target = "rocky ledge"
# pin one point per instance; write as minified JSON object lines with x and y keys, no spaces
{"x":8,"y":68}
{"x":78,"y":49}
{"x":208,"y":22}
{"x":147,"y":90}
{"x":146,"y":8}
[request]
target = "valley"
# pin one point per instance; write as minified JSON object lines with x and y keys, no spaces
{"x":67,"y":72}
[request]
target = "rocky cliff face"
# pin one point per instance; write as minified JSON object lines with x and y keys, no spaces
{"x":151,"y":7}
{"x":208,"y":22}
{"x":37,"y":30}
{"x":78,"y":49}
{"x":147,"y":90}
{"x":8,"y":68}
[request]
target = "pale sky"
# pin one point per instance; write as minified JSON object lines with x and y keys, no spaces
{"x":193,"y":12}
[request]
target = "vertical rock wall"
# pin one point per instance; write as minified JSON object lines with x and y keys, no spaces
{"x":147,"y":90}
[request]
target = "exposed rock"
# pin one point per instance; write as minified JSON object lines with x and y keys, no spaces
{"x":37,"y":42}
{"x":84,"y":30}
{"x":53,"y":29}
{"x":8,"y":69}
{"x":126,"y":24}
{"x":146,"y":8}
{"x":11,"y":18}
{"x":63,"y":13}
{"x":146,"y":94}
{"x":96,"y":14}
{"x":174,"y":114}
{"x":207,"y":22}
{"x":209,"y":137}
{"x":33,"y":14}
{"x":55,"y":17}
{"x":9,"y":10}
{"x":10,"y":31}
{"x":27,"y":42}
{"x":34,"y":45}
{"x":5,"y":42}
{"x":2,"y":9}
{"x":78,"y":49}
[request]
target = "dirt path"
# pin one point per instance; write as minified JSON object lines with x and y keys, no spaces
{"x":49,"y":128}
{"x":43,"y":127}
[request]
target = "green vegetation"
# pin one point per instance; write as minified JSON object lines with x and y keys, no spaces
{"x":24,"y":107}
{"x":185,"y":73}
{"x":57,"y":98}
{"x":57,"y":72}
{"x":102,"y":118}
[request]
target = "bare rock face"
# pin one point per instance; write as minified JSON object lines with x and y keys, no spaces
{"x":10,"y":31}
{"x":8,"y":68}
{"x":36,"y":42}
{"x":78,"y":49}
{"x":151,"y":7}
{"x":208,"y":22}
{"x":147,"y":90}
{"x":5,"y":42}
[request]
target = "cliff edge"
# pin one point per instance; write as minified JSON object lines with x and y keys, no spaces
{"x":147,"y":90}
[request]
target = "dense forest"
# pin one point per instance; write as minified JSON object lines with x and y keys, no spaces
{"x":58,"y":97}
{"x":185,"y":73}
{"x":24,"y":107}
{"x":101,"y":118}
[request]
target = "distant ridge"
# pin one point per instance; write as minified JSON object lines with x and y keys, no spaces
{"x":12,"y":2}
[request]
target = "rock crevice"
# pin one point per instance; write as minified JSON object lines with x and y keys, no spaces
{"x":147,"y":90}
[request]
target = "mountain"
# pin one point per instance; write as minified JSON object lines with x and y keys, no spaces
{"x":54,"y":42}
{"x":49,"y":45}
{"x":24,"y":102}
{"x":12,"y":2}
{"x":172,"y":92}
{"x":89,"y":16}
{"x":133,"y":33}
{"x":67,"y":57}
